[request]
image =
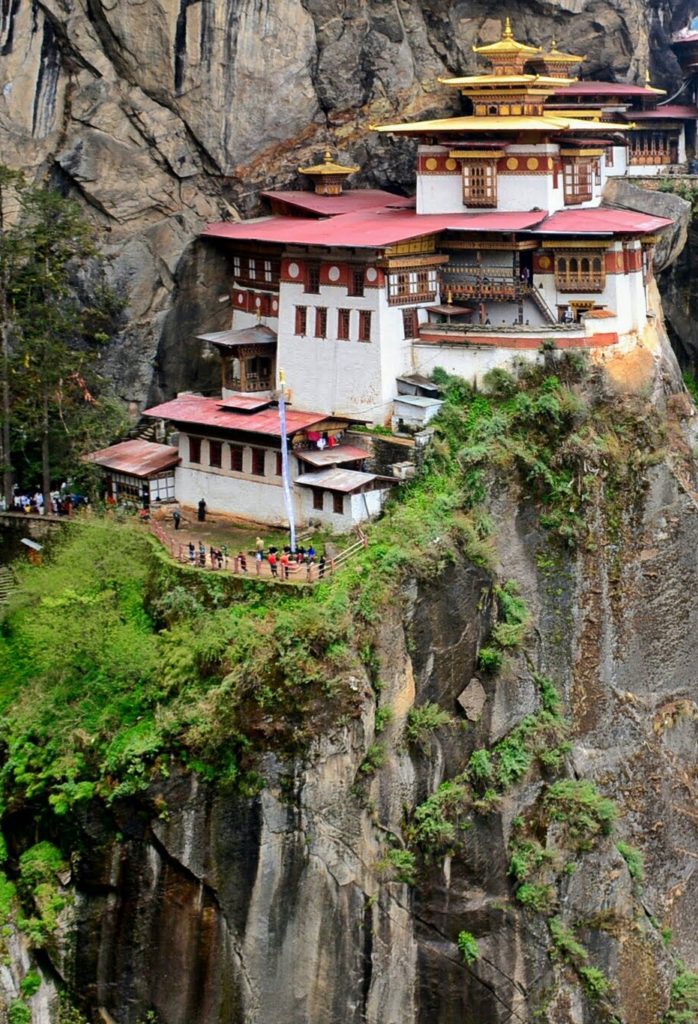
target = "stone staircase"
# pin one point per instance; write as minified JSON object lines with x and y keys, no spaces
{"x":7,"y":583}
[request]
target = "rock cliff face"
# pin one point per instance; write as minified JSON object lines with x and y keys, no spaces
{"x":162,"y":115}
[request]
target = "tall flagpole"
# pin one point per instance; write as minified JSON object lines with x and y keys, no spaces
{"x":285,"y":471}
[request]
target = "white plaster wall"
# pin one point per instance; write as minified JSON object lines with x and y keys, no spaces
{"x":356,"y":510}
{"x":470,"y":361}
{"x":440,"y":193}
{"x":395,"y":356}
{"x":259,"y":498}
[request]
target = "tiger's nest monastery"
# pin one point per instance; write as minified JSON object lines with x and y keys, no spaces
{"x":356,"y":295}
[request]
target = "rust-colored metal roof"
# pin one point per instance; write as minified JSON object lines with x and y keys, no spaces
{"x":608,"y":89}
{"x":351,"y":201}
{"x":343,"y":480}
{"x":675,"y":111}
{"x":332,"y":456}
{"x":246,"y":403}
{"x":258,"y":334}
{"x":136,"y":458}
{"x":210,"y":412}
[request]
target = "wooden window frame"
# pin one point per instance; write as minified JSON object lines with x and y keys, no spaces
{"x":301,"y":321}
{"x":410,"y":322}
{"x":321,"y":322}
{"x":479,"y":180}
{"x":365,"y":325}
{"x":337,"y":503}
{"x":583,"y":272}
{"x":195,"y":450}
{"x":318,"y":499}
{"x":279,"y":464}
{"x":577,"y":182}
{"x":215,"y":454}
{"x":343,"y":324}
{"x":357,"y":282}
{"x":258,"y":461}
{"x":236,"y":458}
{"x":312,"y":278}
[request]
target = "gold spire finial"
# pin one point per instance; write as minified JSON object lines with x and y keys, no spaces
{"x":553,"y":43}
{"x":507,"y":33}
{"x":328,"y":156}
{"x":449,"y":297}
{"x":648,"y":80}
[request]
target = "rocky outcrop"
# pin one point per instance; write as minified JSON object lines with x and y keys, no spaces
{"x":160,"y":116}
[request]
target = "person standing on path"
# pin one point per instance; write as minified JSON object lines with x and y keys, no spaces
{"x":201,"y":514}
{"x":176,"y":518}
{"x":272,"y":563}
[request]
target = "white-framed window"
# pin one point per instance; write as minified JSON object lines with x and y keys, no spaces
{"x":479,"y":183}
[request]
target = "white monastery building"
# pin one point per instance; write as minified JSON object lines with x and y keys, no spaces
{"x":506,"y":249}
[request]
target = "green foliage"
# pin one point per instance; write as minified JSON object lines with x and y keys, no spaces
{"x":634,"y":860}
{"x":490,"y":659}
{"x":535,"y":897}
{"x":374,"y":759}
{"x":683,"y":1007}
{"x":30,"y":984}
{"x":19,"y":1013}
{"x":469,"y":949}
{"x":565,"y":945}
{"x":578,"y":803}
{"x":594,"y":982}
{"x":691,"y":383}
{"x":513,"y":758}
{"x":549,"y":696}
{"x":384,"y":716}
{"x":38,"y":885}
{"x":438,"y":823}
{"x":526,"y":856}
{"x":510,"y":631}
{"x":422,"y":721}
{"x":401,"y":863}
{"x":480,"y":765}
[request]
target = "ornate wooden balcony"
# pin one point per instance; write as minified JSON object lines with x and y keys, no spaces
{"x":582,"y":283}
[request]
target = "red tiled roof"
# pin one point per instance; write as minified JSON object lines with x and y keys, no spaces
{"x":681,"y":112}
{"x":208,"y":412}
{"x":347,"y":202}
{"x":368,"y":229}
{"x":137,"y":458}
{"x":600,"y":220}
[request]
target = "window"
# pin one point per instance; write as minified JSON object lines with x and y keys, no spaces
{"x":279,"y":464}
{"x":301,"y":320}
{"x":320,"y":322}
{"x":236,"y":266}
{"x":236,"y":458}
{"x":479,"y":183}
{"x":364,"y":325}
{"x":577,"y":181}
{"x":317,"y":499}
{"x":410,"y":322}
{"x":338,"y":504}
{"x":252,"y":269}
{"x":357,"y":282}
{"x":195,"y":449}
{"x":215,"y":454}
{"x":312,"y":278}
{"x":580,"y":273}
{"x":343,"y":320}
{"x":409,"y":286}
{"x":267,"y":271}
{"x":258,"y":461}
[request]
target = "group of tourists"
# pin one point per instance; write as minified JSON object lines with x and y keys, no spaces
{"x":61,"y":504}
{"x":282,"y":562}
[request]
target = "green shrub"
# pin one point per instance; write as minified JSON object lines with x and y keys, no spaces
{"x":594,"y":982}
{"x":480,"y":765}
{"x":467,"y":944}
{"x":19,"y":1013}
{"x":374,"y":759}
{"x":565,"y":946}
{"x":549,"y":695}
{"x":30,"y":984}
{"x":634,"y":860}
{"x":578,"y":803}
{"x":683,"y":1007}
{"x":437,"y":823}
{"x":526,"y":856}
{"x":401,"y":863}
{"x":535,"y":897}
{"x":384,"y":717}
{"x":513,"y":759}
{"x":490,"y":659}
{"x":423,"y":721}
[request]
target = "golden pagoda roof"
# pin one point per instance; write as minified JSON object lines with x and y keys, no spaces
{"x":507,"y":44}
{"x":328,"y":167}
{"x":544,"y":82}
{"x":499,"y":123}
{"x":553,"y":54}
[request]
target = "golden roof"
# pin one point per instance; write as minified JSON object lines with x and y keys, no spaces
{"x":543,"y":82}
{"x":553,"y":54}
{"x":649,"y":86}
{"x":499,"y":123}
{"x":328,"y":167}
{"x":507,"y":44}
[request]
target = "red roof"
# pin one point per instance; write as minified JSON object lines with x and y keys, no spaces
{"x":670,"y":110}
{"x":347,"y":202}
{"x":368,"y":229}
{"x":208,"y":412}
{"x":136,"y":458}
{"x":605,"y":89}
{"x":601,"y":220}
